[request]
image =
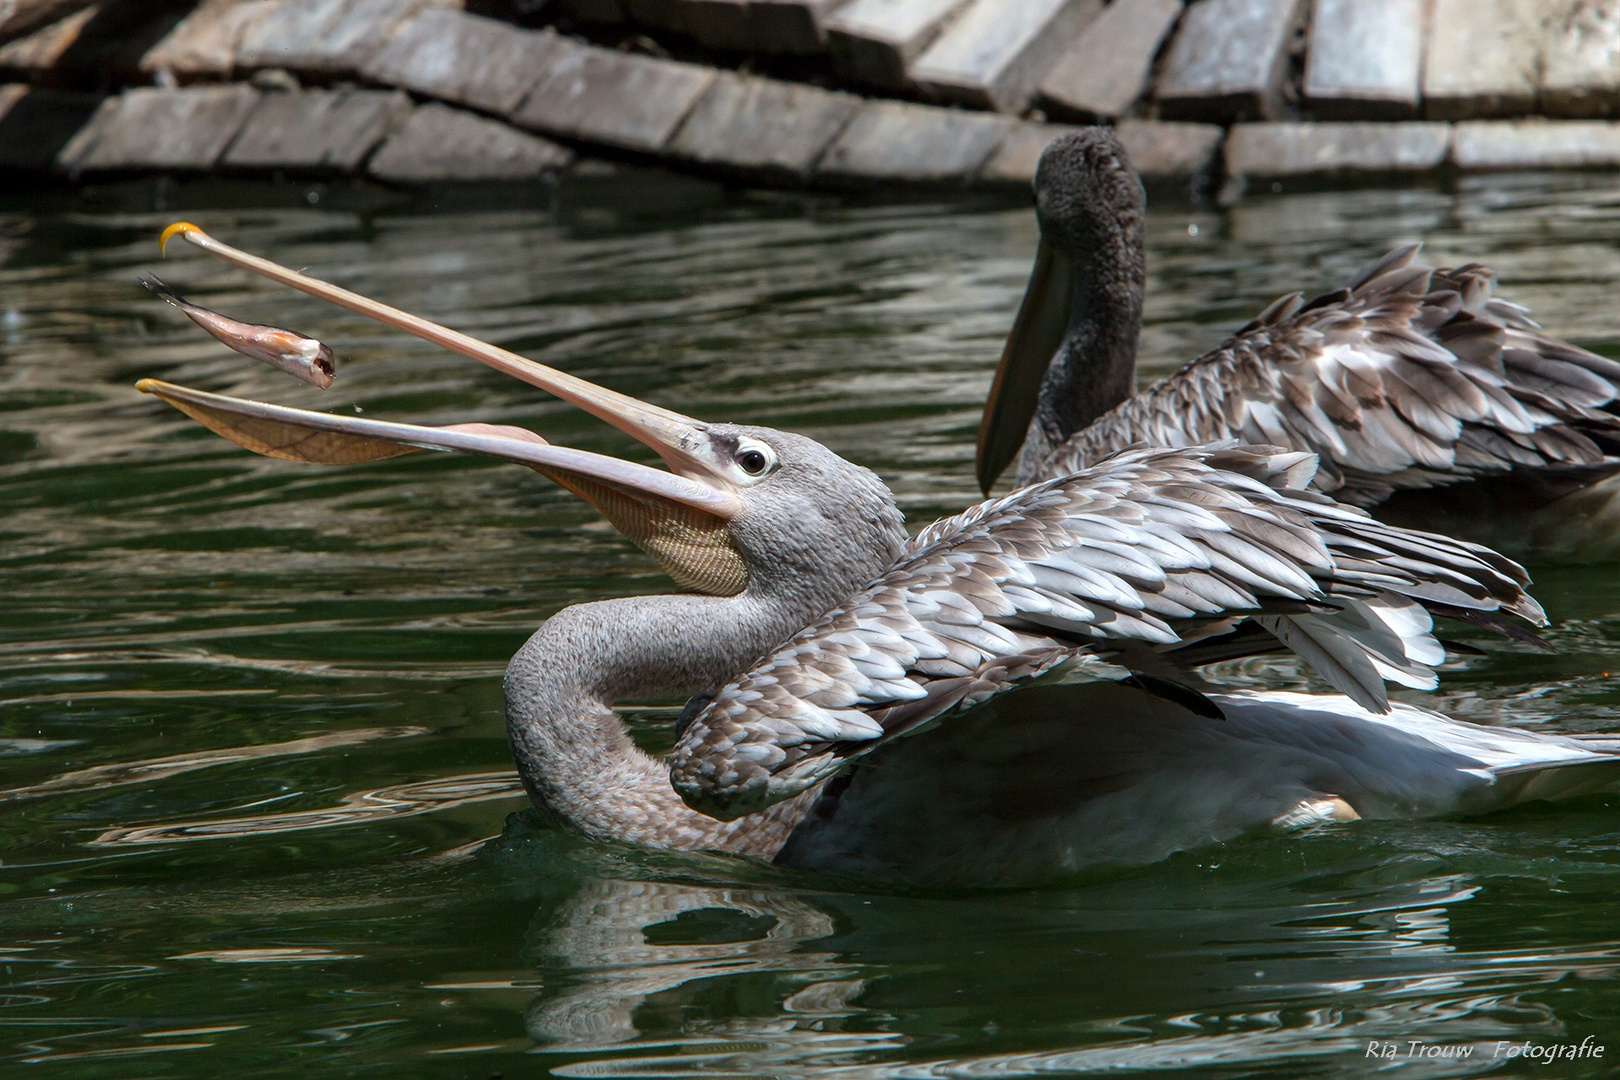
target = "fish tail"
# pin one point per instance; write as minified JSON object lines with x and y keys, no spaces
{"x":158,"y":289}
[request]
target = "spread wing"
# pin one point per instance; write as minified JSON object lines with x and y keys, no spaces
{"x":1127,"y":567}
{"x":1408,"y":377}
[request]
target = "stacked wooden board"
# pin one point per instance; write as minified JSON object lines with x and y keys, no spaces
{"x":833,"y":92}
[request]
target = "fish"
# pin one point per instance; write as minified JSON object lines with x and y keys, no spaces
{"x":288,"y":350}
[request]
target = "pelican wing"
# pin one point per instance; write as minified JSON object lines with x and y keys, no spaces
{"x":1121,"y":566}
{"x":1409,"y":377}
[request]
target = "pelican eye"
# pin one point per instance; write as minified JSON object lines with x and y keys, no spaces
{"x":754,"y":457}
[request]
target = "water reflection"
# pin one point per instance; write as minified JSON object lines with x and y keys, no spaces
{"x":198,"y":644}
{"x":655,"y":979}
{"x":101,"y":777}
{"x":355,"y":808}
{"x":622,"y":942}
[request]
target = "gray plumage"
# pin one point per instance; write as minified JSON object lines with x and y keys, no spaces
{"x":1126,"y":568}
{"x":1407,"y":378}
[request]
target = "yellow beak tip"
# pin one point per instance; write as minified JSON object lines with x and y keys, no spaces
{"x":147,"y":386}
{"x":179,"y":228}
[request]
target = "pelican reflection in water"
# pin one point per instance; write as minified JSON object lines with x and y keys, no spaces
{"x":1014,"y":693}
{"x":1426,"y":398}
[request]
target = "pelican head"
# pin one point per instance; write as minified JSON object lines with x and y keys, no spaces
{"x":740,"y":507}
{"x":1087,"y":196}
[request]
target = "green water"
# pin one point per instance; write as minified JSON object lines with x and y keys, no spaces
{"x":256,"y":808}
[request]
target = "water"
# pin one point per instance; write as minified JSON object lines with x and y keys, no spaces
{"x":256,"y":807}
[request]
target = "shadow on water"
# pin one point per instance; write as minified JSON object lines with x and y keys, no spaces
{"x":256,"y":807}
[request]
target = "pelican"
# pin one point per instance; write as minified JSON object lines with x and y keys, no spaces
{"x":1010,"y":695}
{"x":1422,"y":393}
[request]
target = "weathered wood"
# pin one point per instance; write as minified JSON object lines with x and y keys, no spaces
{"x":100,"y":45}
{"x":872,"y":41}
{"x":1158,"y":150}
{"x":326,"y":37}
{"x":1536,"y":144}
{"x":891,"y":140}
{"x":316,"y":130}
{"x":19,"y":17}
{"x":465,"y":59}
{"x":762,"y":125}
{"x":1365,"y":58}
{"x":1106,"y":69}
{"x":160,"y":129}
{"x":36,"y":124}
{"x":995,"y":54}
{"x":439,"y":144}
{"x":604,"y":96}
{"x":206,"y":41}
{"x":1013,"y":163}
{"x":1482,"y":58}
{"x":29,"y":57}
{"x":1228,"y":60}
{"x":1580,"y":62}
{"x":1170,"y":150}
{"x":1327,"y":148}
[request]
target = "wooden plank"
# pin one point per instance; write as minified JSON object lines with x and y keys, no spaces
{"x":1536,"y":144}
{"x":1013,"y":162}
{"x":1482,"y":58}
{"x":36,"y":124}
{"x":316,"y":130}
{"x":1365,"y":59}
{"x":147,"y":128}
{"x":1158,"y":150}
{"x":324,"y":37}
{"x":1170,"y":150}
{"x":31,"y":56}
{"x":1580,"y":61}
{"x":439,"y":144}
{"x":605,"y":96}
{"x":1228,"y":60}
{"x":1106,"y":69}
{"x":103,"y":45}
{"x":892,"y":140}
{"x":465,"y":59}
{"x":1335,"y":148}
{"x":205,"y":42}
{"x":872,"y":41}
{"x":763,"y":125}
{"x":995,"y":54}
{"x":19,"y":17}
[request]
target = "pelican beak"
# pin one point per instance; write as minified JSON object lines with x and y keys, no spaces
{"x":679,"y":440}
{"x":1043,"y":319}
{"x":679,"y":520}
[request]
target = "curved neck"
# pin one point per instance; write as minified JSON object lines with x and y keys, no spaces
{"x":574,"y":753}
{"x":1094,"y":369}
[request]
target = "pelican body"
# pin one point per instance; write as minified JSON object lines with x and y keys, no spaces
{"x":1013,"y":693}
{"x":1423,"y":394}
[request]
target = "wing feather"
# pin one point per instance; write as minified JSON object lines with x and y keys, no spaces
{"x":1193,"y":540}
{"x":1409,"y":377}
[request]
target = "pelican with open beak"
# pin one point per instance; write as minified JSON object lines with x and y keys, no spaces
{"x":820,"y":642}
{"x":677,"y":517}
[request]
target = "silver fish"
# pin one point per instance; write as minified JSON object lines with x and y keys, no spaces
{"x":292,"y":352}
